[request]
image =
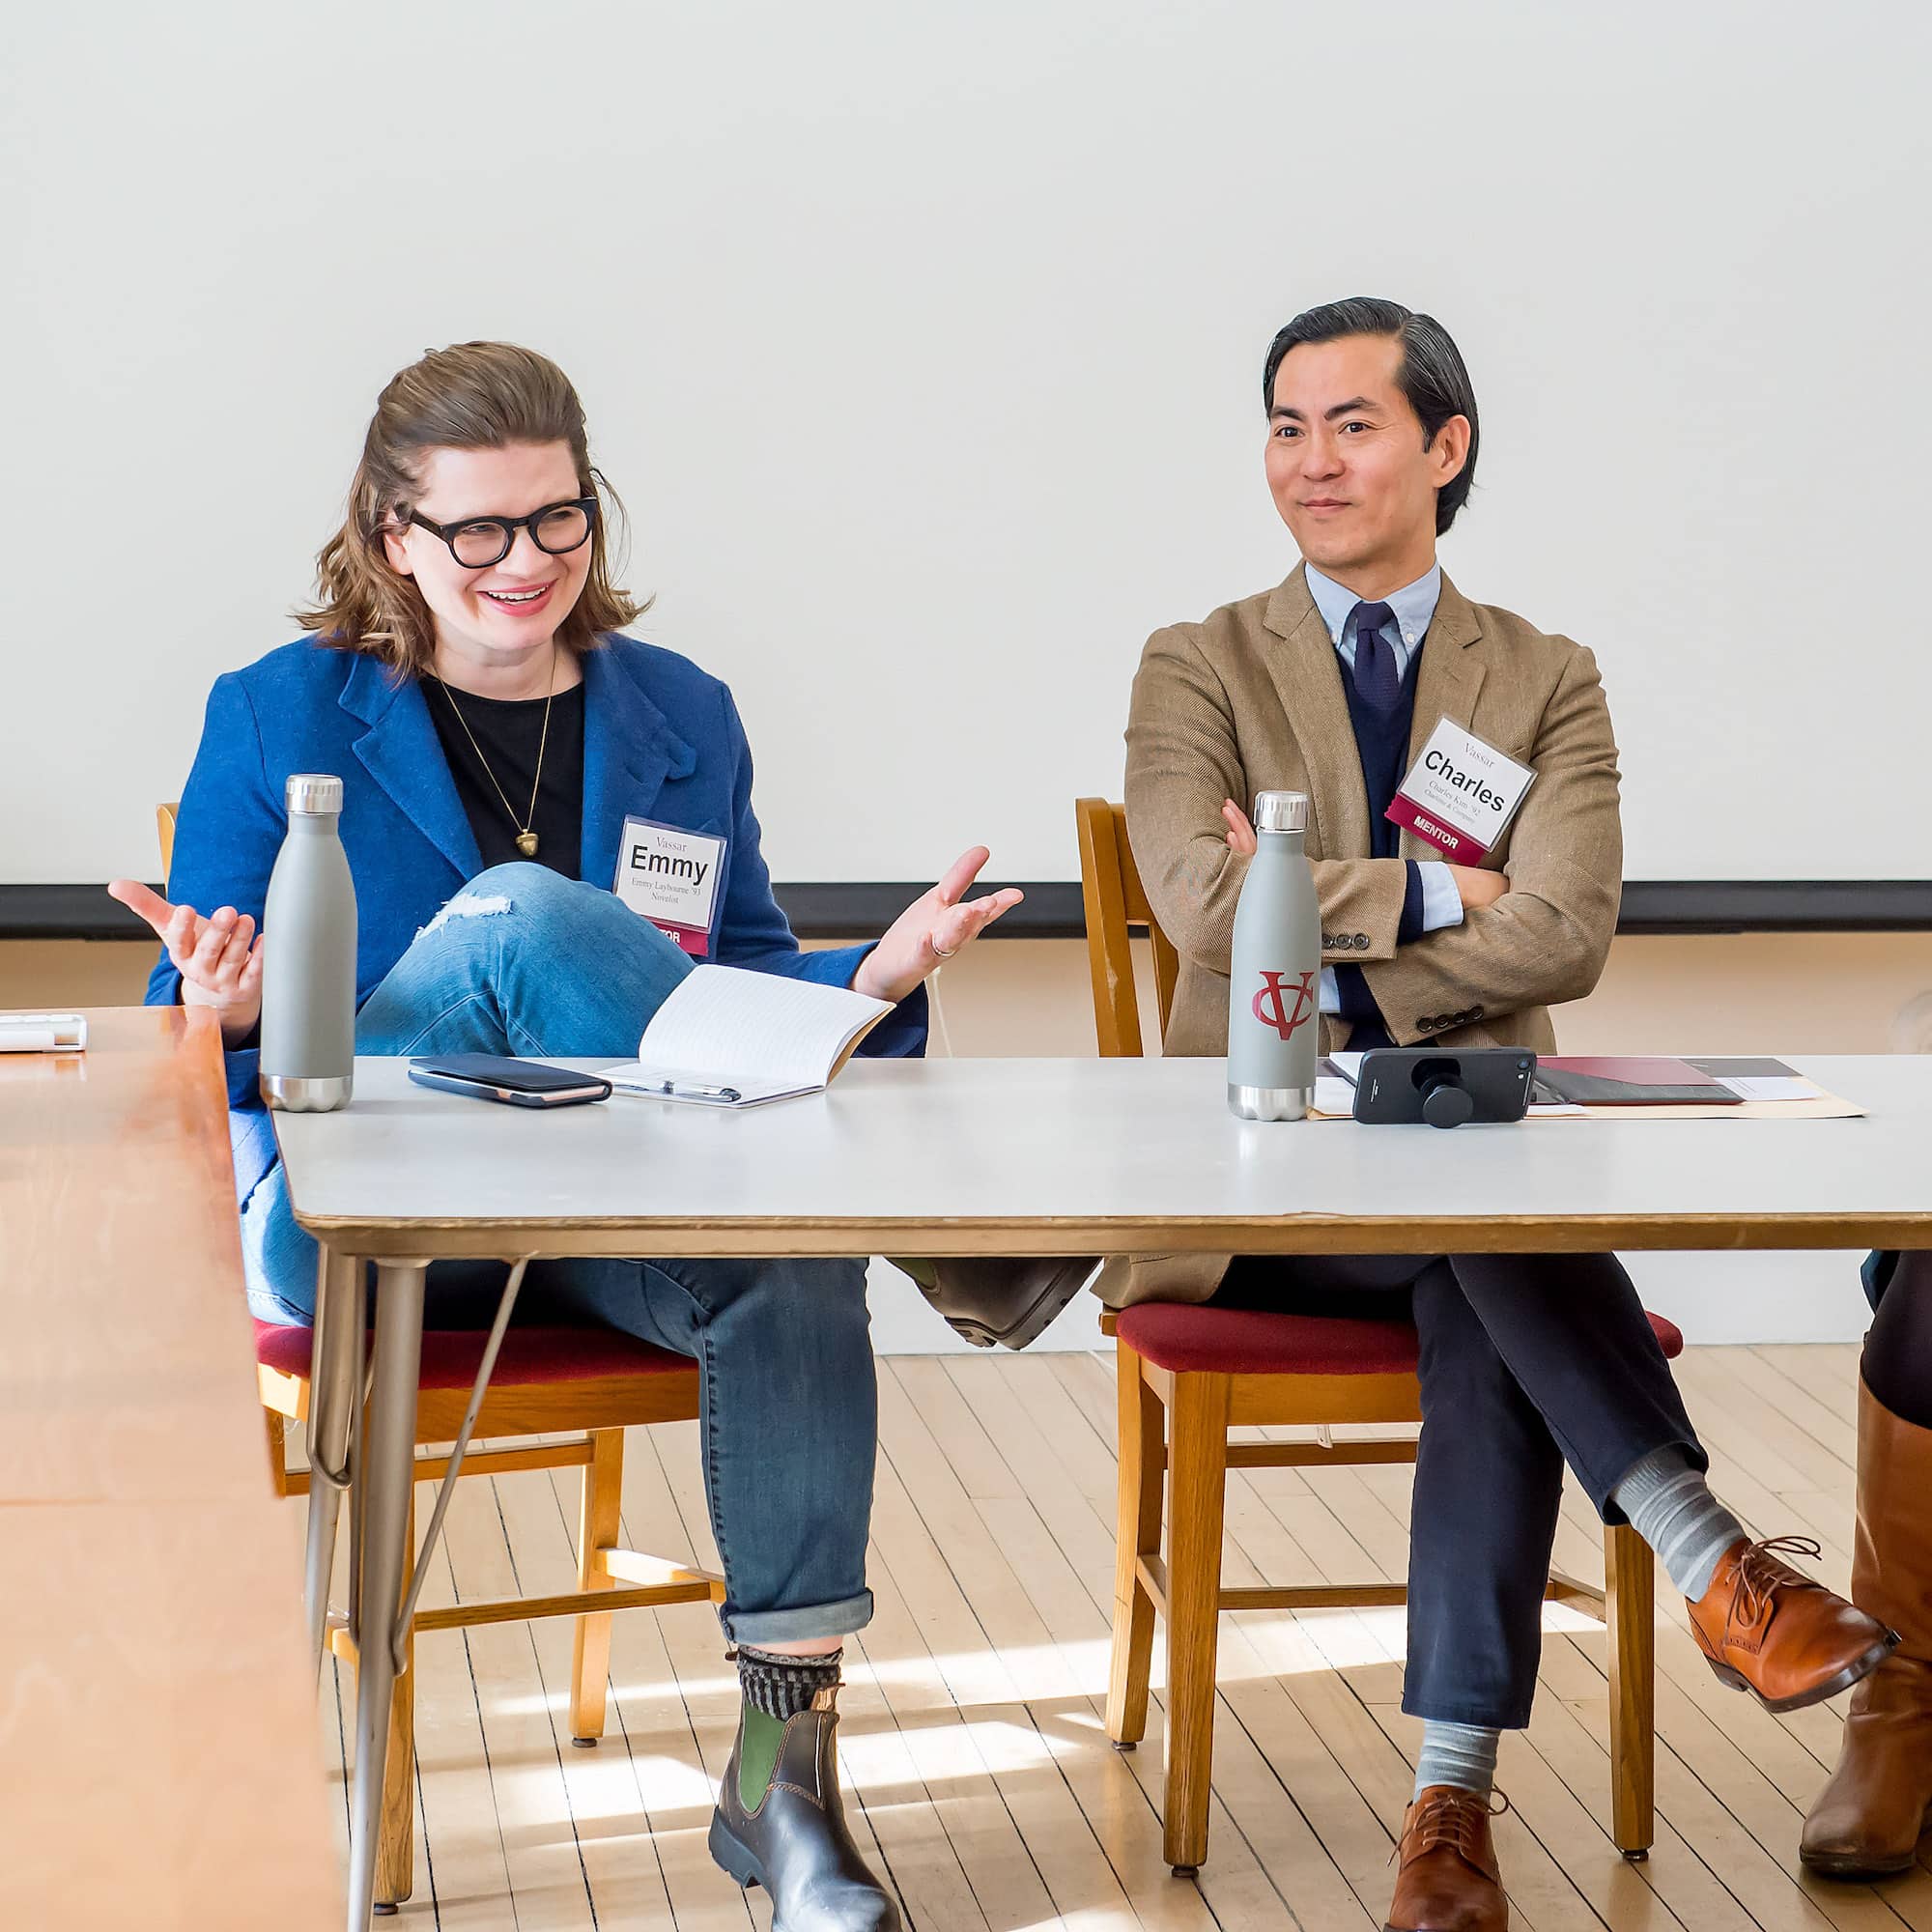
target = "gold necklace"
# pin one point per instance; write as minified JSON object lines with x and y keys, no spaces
{"x":527,"y":837}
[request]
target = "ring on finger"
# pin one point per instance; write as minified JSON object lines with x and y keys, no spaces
{"x":941,"y":951}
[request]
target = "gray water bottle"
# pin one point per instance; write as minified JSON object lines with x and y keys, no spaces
{"x":1274,"y":983}
{"x":308,"y":965}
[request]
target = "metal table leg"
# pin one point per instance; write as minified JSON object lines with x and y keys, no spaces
{"x":334,"y":1388}
{"x":383,"y":1481}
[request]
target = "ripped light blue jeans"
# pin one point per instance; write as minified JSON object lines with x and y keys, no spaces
{"x":527,"y":961}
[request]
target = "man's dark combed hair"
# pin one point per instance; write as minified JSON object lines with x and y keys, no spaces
{"x":1431,"y":374}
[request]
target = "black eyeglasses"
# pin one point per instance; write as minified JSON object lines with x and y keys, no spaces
{"x":481,"y":541}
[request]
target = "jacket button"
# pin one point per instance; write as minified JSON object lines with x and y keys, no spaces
{"x":1328,"y":942}
{"x":1475,"y":1013}
{"x":1361,"y":942}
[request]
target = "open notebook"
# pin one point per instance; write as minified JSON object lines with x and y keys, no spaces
{"x":727,"y":1038}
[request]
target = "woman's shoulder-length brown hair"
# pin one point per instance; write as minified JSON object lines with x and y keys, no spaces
{"x":476,"y":395}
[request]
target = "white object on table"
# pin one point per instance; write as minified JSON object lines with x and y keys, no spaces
{"x":728,"y":1037}
{"x":1768,"y":1087}
{"x":43,"y":1032}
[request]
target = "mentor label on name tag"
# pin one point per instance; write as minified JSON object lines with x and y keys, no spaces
{"x":670,"y":877}
{"x":1460,"y":794}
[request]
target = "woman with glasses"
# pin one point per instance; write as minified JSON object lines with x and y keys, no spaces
{"x":469,"y":681}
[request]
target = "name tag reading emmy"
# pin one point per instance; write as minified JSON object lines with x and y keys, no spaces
{"x":670,"y":877}
{"x":1460,"y":794}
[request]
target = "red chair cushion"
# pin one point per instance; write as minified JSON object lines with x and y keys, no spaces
{"x":1187,"y":1338}
{"x":451,"y":1356}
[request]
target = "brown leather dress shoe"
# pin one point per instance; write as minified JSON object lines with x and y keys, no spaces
{"x":1789,"y":1641}
{"x":1449,"y":1881}
{"x":1872,"y":1818}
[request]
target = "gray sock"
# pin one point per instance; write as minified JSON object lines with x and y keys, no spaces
{"x":1671,"y":1507}
{"x":1463,"y":1755}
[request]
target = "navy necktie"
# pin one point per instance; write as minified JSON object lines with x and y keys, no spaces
{"x":1377,"y":679}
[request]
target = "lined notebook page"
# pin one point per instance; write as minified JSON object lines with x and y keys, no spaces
{"x":729,"y":1027}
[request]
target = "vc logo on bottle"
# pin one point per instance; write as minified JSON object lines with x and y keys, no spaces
{"x":1284,"y":1007}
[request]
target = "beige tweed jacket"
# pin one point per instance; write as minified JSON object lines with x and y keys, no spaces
{"x":1250,"y":699}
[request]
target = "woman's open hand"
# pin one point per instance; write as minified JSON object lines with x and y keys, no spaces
{"x":932,"y":931}
{"x":219,"y":959}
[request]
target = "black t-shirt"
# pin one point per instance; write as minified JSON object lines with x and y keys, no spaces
{"x":508,"y":732}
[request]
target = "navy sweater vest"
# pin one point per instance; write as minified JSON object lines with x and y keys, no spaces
{"x":1381,"y":743}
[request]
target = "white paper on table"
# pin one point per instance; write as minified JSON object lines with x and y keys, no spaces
{"x":1334,"y":1094}
{"x":1767,"y":1087}
{"x":763,"y":1034}
{"x":650,"y":1083}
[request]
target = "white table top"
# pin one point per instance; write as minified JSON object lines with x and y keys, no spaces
{"x":1091,"y":1156}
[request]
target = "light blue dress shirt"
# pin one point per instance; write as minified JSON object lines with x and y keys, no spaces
{"x":1412,"y":609}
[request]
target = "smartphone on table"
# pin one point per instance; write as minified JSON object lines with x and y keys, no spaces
{"x":1444,"y":1088}
{"x":517,"y":1083}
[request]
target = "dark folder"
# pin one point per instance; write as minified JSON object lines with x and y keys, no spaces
{"x":1626,"y":1080}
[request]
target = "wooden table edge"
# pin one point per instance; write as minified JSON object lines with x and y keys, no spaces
{"x":417,"y":1237}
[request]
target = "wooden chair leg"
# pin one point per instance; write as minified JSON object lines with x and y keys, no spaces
{"x":1136,"y":1534}
{"x":1629,"y":1610}
{"x":599,"y":1519}
{"x":395,"y":1851}
{"x":1197,"y":1475}
{"x":279,"y":1454}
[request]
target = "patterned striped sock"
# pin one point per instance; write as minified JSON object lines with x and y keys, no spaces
{"x":781,"y":1686}
{"x":1670,"y":1506}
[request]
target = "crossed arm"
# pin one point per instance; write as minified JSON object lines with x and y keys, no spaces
{"x":1533,"y":934}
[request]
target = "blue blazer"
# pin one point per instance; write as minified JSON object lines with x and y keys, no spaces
{"x":662,"y":740}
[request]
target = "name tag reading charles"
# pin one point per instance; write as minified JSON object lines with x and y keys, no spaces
{"x":1460,"y":794}
{"x":670,"y":878}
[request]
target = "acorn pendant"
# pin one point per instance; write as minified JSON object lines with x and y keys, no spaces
{"x":527,"y":844}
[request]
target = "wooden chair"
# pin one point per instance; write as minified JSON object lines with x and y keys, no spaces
{"x":586,"y":1385}
{"x":1189,"y":1374}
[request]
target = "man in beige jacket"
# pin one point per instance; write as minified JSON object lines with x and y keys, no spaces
{"x":1329,"y":684}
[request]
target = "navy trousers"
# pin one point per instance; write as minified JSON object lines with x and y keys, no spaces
{"x":1527,"y":1362}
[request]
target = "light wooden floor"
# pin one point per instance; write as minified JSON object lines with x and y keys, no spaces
{"x":975,"y":1758}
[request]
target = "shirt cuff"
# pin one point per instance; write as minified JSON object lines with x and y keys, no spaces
{"x":1409,"y":928}
{"x":1331,"y":992}
{"x":1441,"y":902}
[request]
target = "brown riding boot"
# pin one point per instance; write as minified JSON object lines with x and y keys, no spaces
{"x":1448,"y":1881}
{"x":1869,"y":1819}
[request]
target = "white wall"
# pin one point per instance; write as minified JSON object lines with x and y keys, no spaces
{"x":924,"y":344}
